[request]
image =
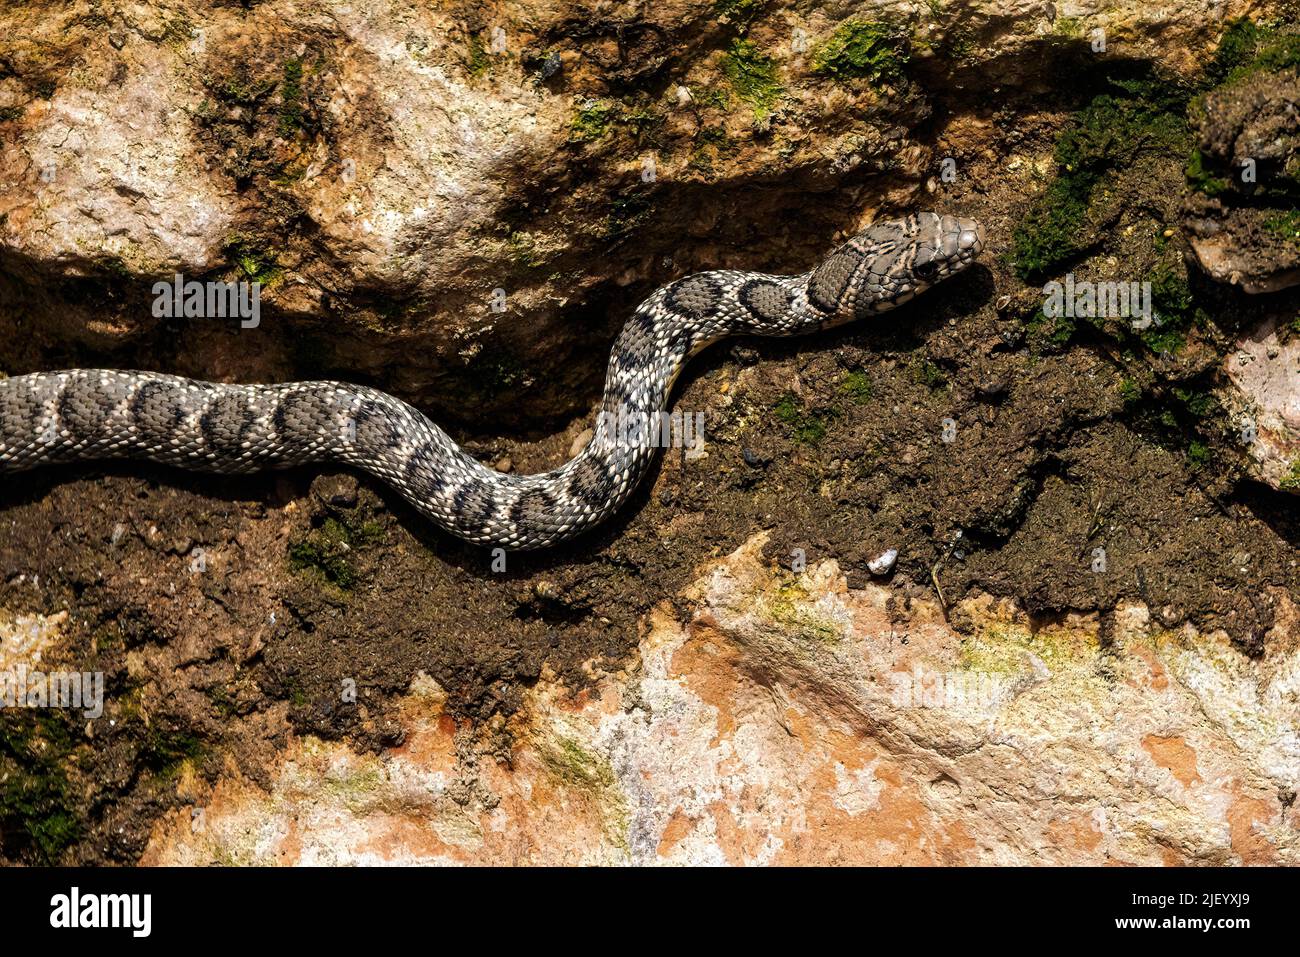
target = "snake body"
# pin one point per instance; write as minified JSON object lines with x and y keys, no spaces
{"x":85,"y":414}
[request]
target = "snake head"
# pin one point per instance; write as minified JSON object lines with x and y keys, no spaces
{"x":889,"y":262}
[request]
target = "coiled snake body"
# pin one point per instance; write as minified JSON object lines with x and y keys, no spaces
{"x":84,"y":414}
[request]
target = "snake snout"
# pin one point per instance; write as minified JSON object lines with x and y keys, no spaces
{"x":970,"y":238}
{"x":959,"y":241}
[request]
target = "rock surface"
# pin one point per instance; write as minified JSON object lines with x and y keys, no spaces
{"x":385,"y":168}
{"x":1265,"y":373}
{"x":1250,"y":133}
{"x":788,"y":719}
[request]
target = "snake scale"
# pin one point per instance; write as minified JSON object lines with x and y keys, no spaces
{"x":85,"y":414}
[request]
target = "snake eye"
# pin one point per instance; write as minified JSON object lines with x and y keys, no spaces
{"x":926,"y":270}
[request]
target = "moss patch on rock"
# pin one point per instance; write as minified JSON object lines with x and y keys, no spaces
{"x":866,"y":49}
{"x":752,"y":74}
{"x":326,"y":552}
{"x":38,"y":816}
{"x":1136,"y":116}
{"x":1247,"y":47}
{"x":592,"y":121}
{"x":805,"y":426}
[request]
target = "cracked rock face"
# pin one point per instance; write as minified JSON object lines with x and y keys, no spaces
{"x":794,"y":720}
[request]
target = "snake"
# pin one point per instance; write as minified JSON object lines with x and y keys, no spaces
{"x":79,"y":415}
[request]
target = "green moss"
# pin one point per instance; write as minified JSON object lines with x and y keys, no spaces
{"x":1291,"y":481}
{"x":1285,"y":225}
{"x":222,"y":701}
{"x":178,"y":30}
{"x":928,"y":374}
{"x":714,"y":97}
{"x":499,"y":370}
{"x":116,"y":268}
{"x":1050,"y":234}
{"x":296,"y":693}
{"x":1279,"y":52}
{"x":291,"y":97}
{"x":257,"y":264}
{"x":742,"y":12}
{"x":628,"y":213}
{"x":789,"y":606}
{"x":1071,"y":28}
{"x":592,"y":121}
{"x":358,"y":788}
{"x":1050,"y":333}
{"x":712,"y":143}
{"x":752,"y":76}
{"x":1202,"y":179}
{"x":587,"y":772}
{"x":523,"y":250}
{"x":36,"y":798}
{"x":1236,"y":48}
{"x":596,"y":119}
{"x":243,"y":88}
{"x":1198,"y":404}
{"x":1143,"y":114}
{"x":643,"y":122}
{"x":577,"y":767}
{"x":1129,"y":391}
{"x":327,"y":552}
{"x":164,"y":750}
{"x":1246,"y":47}
{"x":1198,"y":456}
{"x":1000,"y":648}
{"x":867,"y":49}
{"x":960,"y":45}
{"x":806,"y":427}
{"x":857,"y":386}
{"x":478,"y":59}
{"x":1174,"y":310}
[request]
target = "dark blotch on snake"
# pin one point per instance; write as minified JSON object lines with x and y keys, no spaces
{"x":589,"y":483}
{"x":695,"y":297}
{"x":376,"y":428}
{"x":422,"y":471}
{"x":766,"y":301}
{"x":473,"y":502}
{"x":226,"y":422}
{"x":643,"y":321}
{"x":84,"y":408}
{"x":532,"y":508}
{"x":831,"y":279}
{"x":158,"y":412}
{"x":295,"y":416}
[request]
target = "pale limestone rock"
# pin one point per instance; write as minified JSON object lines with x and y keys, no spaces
{"x":24,"y":639}
{"x":790,"y":720}
{"x":1264,"y":397}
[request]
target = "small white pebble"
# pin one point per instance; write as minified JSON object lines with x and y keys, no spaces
{"x":882,"y":563}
